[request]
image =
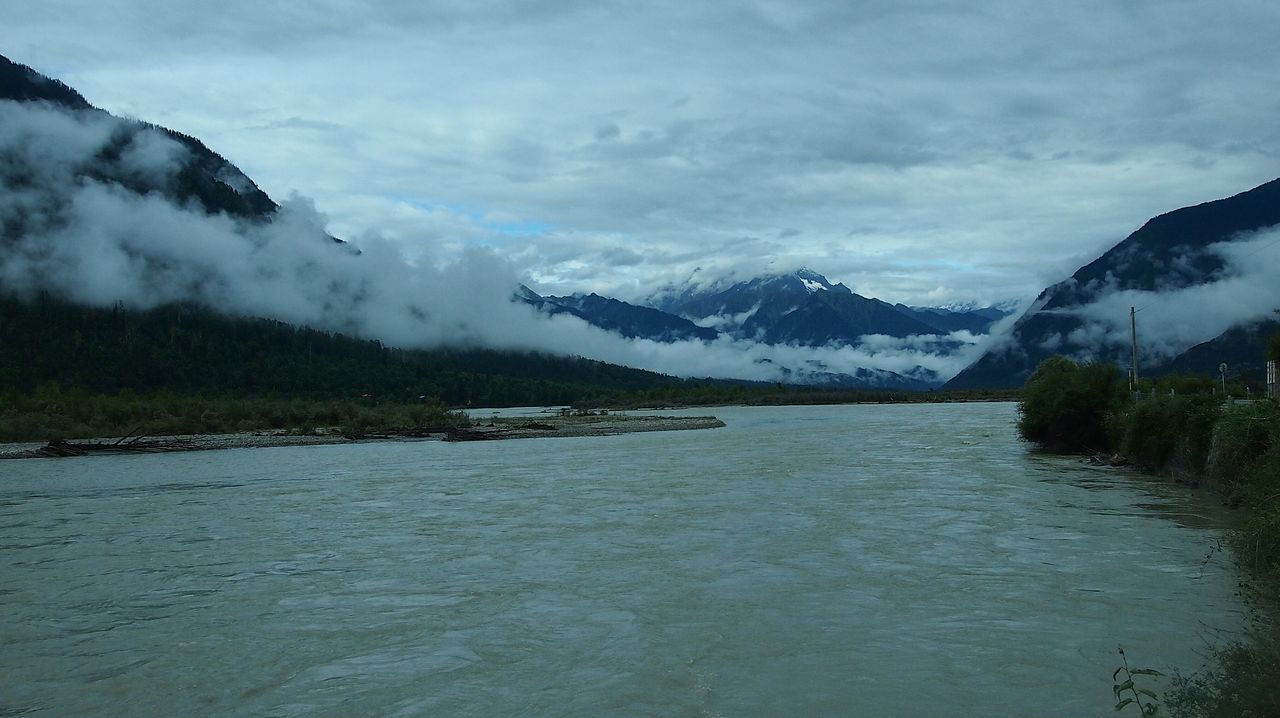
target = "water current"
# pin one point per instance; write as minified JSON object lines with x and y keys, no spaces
{"x":801,"y":561}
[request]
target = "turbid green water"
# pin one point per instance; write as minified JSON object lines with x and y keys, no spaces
{"x":802,"y":561}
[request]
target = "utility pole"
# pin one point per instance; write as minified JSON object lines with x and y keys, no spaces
{"x":1133,"y":333}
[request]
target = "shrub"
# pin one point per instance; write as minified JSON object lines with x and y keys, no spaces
{"x":59,"y":414}
{"x":1065,"y":405}
{"x":1168,"y":433}
{"x":1259,"y":540}
{"x":1242,"y":436}
{"x":1241,"y":682}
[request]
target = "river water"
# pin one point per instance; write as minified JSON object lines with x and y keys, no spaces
{"x":802,"y":561}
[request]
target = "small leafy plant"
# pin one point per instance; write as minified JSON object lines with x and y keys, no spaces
{"x":1124,"y":684}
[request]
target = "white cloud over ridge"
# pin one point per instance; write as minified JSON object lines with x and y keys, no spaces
{"x":96,"y":242}
{"x":1171,"y":320}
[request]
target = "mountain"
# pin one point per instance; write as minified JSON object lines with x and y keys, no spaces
{"x":204,"y":177}
{"x":629,"y":320}
{"x":977,"y":320}
{"x":805,"y":308}
{"x":68,"y":169}
{"x":546,"y":305}
{"x":1242,"y":348}
{"x":768,"y":296}
{"x":831,"y":317}
{"x":118,"y":214}
{"x":1086,"y":315}
{"x":23,"y":84}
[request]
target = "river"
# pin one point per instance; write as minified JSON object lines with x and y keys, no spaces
{"x":802,"y":561}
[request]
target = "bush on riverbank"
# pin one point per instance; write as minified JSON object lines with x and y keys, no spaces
{"x":51,"y":413}
{"x":1241,"y":682}
{"x":1065,"y":405}
{"x":1244,"y":461}
{"x":1244,"y":464}
{"x":1167,"y":434}
{"x":1235,"y":448}
{"x":1247,"y":456}
{"x":1068,"y":406}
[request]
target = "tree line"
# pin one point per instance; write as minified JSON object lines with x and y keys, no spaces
{"x":186,"y":349}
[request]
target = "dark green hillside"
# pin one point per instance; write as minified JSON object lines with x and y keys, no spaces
{"x":204,"y":178}
{"x":1168,"y":252}
{"x":21,"y":83}
{"x":1241,"y":348}
{"x":189,"y":350}
{"x":186,"y":349}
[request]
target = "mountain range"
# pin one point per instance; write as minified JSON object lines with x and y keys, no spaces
{"x":129,"y":166}
{"x":797,"y":308}
{"x":629,"y":320}
{"x":1184,"y":269}
{"x":1209,"y":269}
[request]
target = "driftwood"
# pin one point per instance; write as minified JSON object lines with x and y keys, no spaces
{"x":475,"y":435}
{"x":498,"y":428}
{"x":131,"y":445}
{"x":1098,"y":458}
{"x":492,"y":432}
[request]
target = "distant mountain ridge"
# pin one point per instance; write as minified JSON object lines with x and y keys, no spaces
{"x":805,"y":308}
{"x":629,"y":320}
{"x":802,"y":308}
{"x":1168,"y":253}
{"x":1241,"y":348}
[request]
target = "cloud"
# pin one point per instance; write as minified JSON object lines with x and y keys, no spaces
{"x":70,"y":231}
{"x":999,"y":147}
{"x":1175,"y":318}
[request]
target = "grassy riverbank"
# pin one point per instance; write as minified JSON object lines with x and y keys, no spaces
{"x":1230,"y":447}
{"x":50,"y":413}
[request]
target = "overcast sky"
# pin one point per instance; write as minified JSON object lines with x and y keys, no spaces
{"x":923,"y":152}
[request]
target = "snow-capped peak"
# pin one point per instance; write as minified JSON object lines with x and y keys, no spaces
{"x":811,"y":285}
{"x":812,"y":281}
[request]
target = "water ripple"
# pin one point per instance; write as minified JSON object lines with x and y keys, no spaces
{"x":802,"y":560}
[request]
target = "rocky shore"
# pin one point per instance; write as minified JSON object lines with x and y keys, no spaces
{"x":580,"y":425}
{"x":489,"y":428}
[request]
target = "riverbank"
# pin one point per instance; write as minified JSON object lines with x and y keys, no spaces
{"x":494,"y":428}
{"x":51,"y":412}
{"x":1232,"y":448}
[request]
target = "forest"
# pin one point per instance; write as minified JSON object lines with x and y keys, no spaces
{"x":68,"y":368}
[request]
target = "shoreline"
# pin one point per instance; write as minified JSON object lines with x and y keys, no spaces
{"x":487,"y":429}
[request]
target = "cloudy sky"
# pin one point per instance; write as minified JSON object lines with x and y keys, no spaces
{"x":919,"y":151}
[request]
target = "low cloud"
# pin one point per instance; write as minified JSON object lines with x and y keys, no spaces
{"x":71,"y":231}
{"x":1176,"y":318}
